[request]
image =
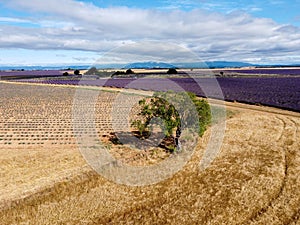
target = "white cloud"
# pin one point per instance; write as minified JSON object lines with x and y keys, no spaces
{"x":13,"y":20}
{"x":277,"y":2}
{"x":233,"y":36}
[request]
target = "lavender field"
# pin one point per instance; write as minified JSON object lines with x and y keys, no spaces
{"x":281,"y":92}
{"x":267,"y":71}
{"x":30,"y":74}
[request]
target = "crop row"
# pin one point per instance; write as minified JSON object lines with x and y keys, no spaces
{"x":282,"y":92}
{"x":42,"y":115}
{"x":285,"y":71}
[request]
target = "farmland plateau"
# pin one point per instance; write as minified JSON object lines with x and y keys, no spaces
{"x":150,"y":112}
{"x":46,"y":180}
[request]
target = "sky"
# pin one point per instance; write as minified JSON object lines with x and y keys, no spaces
{"x":69,"y":32}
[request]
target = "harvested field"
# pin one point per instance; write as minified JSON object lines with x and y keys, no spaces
{"x":45,"y":180}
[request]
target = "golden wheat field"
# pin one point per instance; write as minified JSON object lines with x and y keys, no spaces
{"x":254,"y":179}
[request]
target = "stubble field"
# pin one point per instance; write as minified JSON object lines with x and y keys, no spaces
{"x":45,"y":180}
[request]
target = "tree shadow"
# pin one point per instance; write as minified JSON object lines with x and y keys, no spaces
{"x":127,"y":138}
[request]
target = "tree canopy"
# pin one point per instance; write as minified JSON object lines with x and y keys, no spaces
{"x":172,"y":71}
{"x":76,"y":72}
{"x":175,"y":115}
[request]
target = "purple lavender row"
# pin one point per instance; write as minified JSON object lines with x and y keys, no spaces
{"x":31,"y":73}
{"x":293,"y":72}
{"x":282,"y":92}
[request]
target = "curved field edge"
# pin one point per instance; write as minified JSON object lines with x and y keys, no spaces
{"x":285,"y":208}
{"x":247,"y":181}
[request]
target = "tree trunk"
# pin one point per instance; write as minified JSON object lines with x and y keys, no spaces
{"x":177,"y":142}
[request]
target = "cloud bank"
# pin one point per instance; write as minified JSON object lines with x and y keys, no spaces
{"x":72,"y":25}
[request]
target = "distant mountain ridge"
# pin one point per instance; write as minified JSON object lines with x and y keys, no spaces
{"x":147,"y":65}
{"x":162,"y":65}
{"x":223,"y":64}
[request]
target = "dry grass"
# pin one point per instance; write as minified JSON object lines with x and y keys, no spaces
{"x":254,"y":180}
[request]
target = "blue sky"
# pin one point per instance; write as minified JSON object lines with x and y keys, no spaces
{"x":55,"y":32}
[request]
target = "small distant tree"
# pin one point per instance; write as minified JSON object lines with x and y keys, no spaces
{"x":158,"y":106}
{"x":117,"y":73}
{"x":129,"y":71}
{"x":76,"y":72}
{"x":65,"y":74}
{"x":91,"y":71}
{"x":172,"y":71}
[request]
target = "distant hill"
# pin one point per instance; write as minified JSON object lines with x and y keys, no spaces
{"x":224,"y":64}
{"x":146,"y":65}
{"x":212,"y":64}
{"x":149,"y":65}
{"x":58,"y":67}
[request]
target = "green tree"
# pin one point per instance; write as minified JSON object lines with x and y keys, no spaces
{"x":172,"y":71}
{"x":92,"y":71}
{"x":76,"y":72}
{"x":129,"y":71}
{"x":175,"y":115}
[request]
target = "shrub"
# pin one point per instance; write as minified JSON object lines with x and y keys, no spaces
{"x":76,"y":72}
{"x":172,"y":71}
{"x":129,"y":71}
{"x":117,"y":73}
{"x":91,"y":71}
